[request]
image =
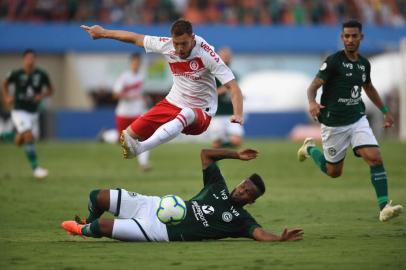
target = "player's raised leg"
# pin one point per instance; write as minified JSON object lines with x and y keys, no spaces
{"x":379,"y":180}
{"x":163,"y":134}
{"x":309,"y":149}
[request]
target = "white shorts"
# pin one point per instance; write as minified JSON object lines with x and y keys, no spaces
{"x":25,"y":121}
{"x":337,"y":139}
{"x":137,"y":220}
{"x":221,"y":128}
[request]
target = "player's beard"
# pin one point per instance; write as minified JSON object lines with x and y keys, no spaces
{"x":234,"y":201}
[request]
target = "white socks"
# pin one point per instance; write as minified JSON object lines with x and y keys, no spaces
{"x":168,"y":131}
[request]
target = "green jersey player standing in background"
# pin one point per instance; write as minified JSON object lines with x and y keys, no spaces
{"x":28,"y":83}
{"x":341,"y":113}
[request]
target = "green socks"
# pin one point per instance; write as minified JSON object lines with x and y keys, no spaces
{"x":94,"y":211}
{"x":92,"y":229}
{"x":318,"y":158}
{"x":31,"y":155}
{"x":7,"y":136}
{"x":380,"y":183}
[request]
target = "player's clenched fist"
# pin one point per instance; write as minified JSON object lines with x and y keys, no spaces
{"x":95,"y":31}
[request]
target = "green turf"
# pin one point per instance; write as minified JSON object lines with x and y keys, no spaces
{"x":339,"y":216}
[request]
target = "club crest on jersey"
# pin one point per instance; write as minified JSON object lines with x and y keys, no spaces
{"x":208,"y":209}
{"x":227,"y":217}
{"x":323,"y":66}
{"x":194,"y":65}
{"x":364,"y":77}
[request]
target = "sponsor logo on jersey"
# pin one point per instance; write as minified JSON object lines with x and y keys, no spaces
{"x":187,"y":69}
{"x":227,"y":216}
{"x":215,"y":196}
{"x":348,"y":65}
{"x":210,"y":50}
{"x":163,"y":39}
{"x":223,"y":194}
{"x":235,"y":212}
{"x":208,"y":209}
{"x":361,"y":67}
{"x":355,"y":91}
{"x":199,"y":214}
{"x":355,"y":97}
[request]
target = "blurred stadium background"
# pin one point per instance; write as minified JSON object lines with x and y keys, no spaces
{"x":278,"y":46}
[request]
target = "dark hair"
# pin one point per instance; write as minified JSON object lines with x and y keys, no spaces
{"x":181,"y":27}
{"x":353,"y":23}
{"x":28,"y":51}
{"x":258,"y":182}
{"x":135,"y":55}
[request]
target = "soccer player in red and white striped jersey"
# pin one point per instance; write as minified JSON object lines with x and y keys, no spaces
{"x":192,"y":100}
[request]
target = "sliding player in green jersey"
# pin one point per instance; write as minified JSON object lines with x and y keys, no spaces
{"x":214,"y":213}
{"x":29,"y":83}
{"x":341,"y":113}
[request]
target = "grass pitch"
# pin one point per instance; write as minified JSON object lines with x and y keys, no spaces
{"x":339,"y":216}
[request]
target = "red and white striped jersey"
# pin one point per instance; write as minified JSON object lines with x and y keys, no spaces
{"x":194,"y":77}
{"x":132,"y":104}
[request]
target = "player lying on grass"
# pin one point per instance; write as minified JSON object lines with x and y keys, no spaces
{"x":341,"y":113}
{"x":213,"y":213}
{"x":192,"y":100}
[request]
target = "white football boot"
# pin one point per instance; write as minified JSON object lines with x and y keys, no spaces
{"x":390,"y":211}
{"x":40,"y":173}
{"x":128,"y":145}
{"x":302,"y":154}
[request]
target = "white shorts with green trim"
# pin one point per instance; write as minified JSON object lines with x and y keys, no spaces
{"x":336,"y":140}
{"x":25,"y":121}
{"x":137,"y":220}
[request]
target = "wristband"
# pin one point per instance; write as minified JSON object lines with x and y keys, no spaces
{"x":384,"y":109}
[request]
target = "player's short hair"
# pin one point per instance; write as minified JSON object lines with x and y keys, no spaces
{"x":29,"y":51}
{"x":180,"y":27}
{"x":352,"y":23}
{"x":135,"y":55}
{"x":258,"y":182}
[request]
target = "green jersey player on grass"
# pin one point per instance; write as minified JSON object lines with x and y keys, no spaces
{"x":29,"y":83}
{"x":341,"y":113}
{"x":214,"y":213}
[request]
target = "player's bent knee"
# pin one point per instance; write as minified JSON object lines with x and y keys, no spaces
{"x":187,"y":115}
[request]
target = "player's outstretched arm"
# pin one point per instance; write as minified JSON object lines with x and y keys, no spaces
{"x":237,"y":101}
{"x":96,"y":32}
{"x":260,"y":234}
{"x":314,"y":107}
{"x":373,"y":95}
{"x":209,"y":156}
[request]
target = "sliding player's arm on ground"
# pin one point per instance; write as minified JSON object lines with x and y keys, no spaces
{"x":96,"y":32}
{"x":236,"y":100}
{"x":209,"y":156}
{"x":373,"y":95}
{"x":260,"y":234}
{"x":314,"y":107}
